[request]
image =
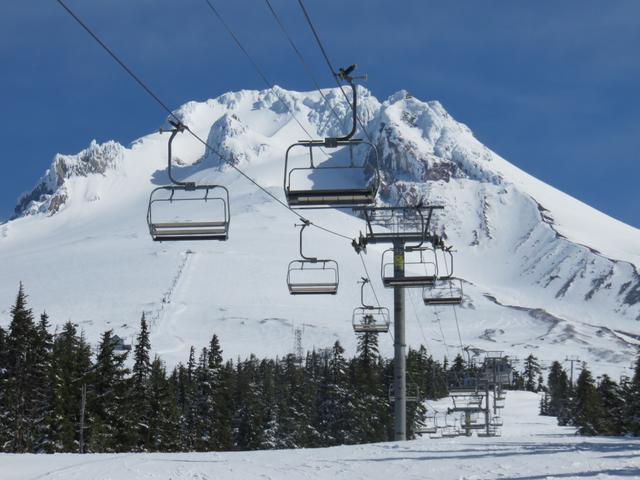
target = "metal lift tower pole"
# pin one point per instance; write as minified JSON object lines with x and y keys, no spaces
{"x":399,"y":226}
{"x":400,"y":367}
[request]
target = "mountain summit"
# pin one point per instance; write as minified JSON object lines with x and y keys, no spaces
{"x":542,"y":271}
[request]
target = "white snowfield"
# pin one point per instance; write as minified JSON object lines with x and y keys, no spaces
{"x":531,"y":448}
{"x":542,"y":272}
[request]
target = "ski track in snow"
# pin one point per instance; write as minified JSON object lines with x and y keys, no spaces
{"x":531,"y":448}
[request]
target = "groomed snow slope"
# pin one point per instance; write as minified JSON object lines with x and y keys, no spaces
{"x":542,"y":272}
{"x":531,"y":448}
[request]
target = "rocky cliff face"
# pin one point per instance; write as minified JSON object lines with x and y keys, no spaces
{"x":50,"y":193}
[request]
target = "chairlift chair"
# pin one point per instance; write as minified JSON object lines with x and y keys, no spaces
{"x":370,"y":319}
{"x":466,"y":384}
{"x":310,"y":275}
{"x":431,"y":426}
{"x":321,"y":184}
{"x":449,"y":429}
{"x":444,"y":291}
{"x":466,"y":403}
{"x":171,"y":215}
{"x":418,"y":272}
{"x":474,"y":426}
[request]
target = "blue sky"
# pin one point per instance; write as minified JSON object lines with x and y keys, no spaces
{"x":551,"y":86}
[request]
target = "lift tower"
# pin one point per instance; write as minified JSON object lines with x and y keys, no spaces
{"x":406,"y":228}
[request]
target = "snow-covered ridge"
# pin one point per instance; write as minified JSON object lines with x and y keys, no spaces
{"x":50,"y":193}
{"x":520,"y":242}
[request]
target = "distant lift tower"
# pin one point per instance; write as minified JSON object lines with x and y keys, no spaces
{"x":400,"y":226}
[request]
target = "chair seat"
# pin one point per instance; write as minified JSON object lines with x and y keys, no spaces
{"x":189,"y":224}
{"x":412,"y":281}
{"x":443,"y":301}
{"x":330,"y":197}
{"x":189,"y":231}
{"x":371,"y":328}
{"x":313,"y":289}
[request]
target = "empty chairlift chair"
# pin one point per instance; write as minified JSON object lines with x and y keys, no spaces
{"x":430,"y":426}
{"x":334,"y":177}
{"x":446,"y":290}
{"x":420,"y":268}
{"x":450,"y":430}
{"x":186,"y":211}
{"x":310,"y":275}
{"x":370,"y":319}
{"x":496,"y":421}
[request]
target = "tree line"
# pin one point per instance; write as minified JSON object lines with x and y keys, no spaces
{"x":57,"y":395}
{"x":599,"y":406}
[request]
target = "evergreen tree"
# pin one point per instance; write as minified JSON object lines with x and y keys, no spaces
{"x":612,"y":405}
{"x":370,"y":398}
{"x":544,"y":404}
{"x":204,"y":404}
{"x":559,"y":390}
{"x":140,"y":414}
{"x":457,"y":372}
{"x":225,"y":406}
{"x":4,"y":426}
{"x":275,"y":403}
{"x":335,"y":410}
{"x":42,"y":400}
{"x":631,"y":398}
{"x":294,"y":412}
{"x":164,"y":418}
{"x":587,"y":411}
{"x":517,"y":381}
{"x":71,"y":362}
{"x":111,"y":428}
{"x":186,"y":393}
{"x":416,"y":411}
{"x":531,"y":373}
{"x":249,"y":420}
{"x":19,"y":378}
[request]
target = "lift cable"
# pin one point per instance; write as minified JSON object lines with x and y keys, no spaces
{"x":455,"y":314}
{"x":314,"y":81}
{"x":302,"y":59}
{"x":366,"y":271}
{"x":255,"y":65}
{"x":333,"y":71}
{"x":164,"y":106}
{"x":120,"y":62}
{"x":415,"y":314}
{"x":444,"y":340}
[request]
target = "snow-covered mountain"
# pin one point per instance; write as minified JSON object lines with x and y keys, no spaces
{"x":543,"y":272}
